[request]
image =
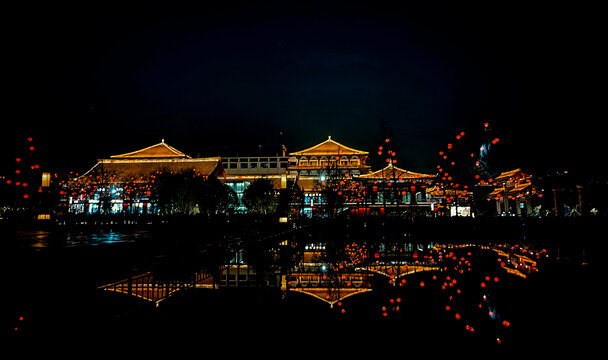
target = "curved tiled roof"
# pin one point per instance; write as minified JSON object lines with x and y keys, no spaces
{"x":329,"y":147}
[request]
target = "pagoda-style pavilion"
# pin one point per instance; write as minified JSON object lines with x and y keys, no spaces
{"x":126,"y":179}
{"x":513,"y":192}
{"x":393,"y":186}
{"x":329,"y":154}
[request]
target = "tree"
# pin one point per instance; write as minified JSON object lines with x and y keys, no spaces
{"x":289,"y":196}
{"x":213,"y":196}
{"x":177,"y":192}
{"x":260,"y":196}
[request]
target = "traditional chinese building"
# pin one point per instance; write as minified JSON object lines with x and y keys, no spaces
{"x":329,"y":154}
{"x":123,"y":183}
{"x":393,"y":186}
{"x":513,"y":193}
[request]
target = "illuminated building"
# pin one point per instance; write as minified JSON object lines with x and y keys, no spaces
{"x":393,"y":186}
{"x":241,"y":171}
{"x":123,"y":183}
{"x":316,"y":160}
{"x":513,"y":193}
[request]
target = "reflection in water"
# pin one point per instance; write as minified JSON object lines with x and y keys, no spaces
{"x":40,"y":239}
{"x":37,"y":239}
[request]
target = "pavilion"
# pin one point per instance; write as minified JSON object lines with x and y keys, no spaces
{"x":392,"y":186}
{"x":513,"y":193}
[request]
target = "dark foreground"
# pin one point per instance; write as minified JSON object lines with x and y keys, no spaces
{"x":52,"y":296}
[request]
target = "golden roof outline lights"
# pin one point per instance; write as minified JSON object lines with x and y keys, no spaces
{"x":329,"y":147}
{"x":160,"y":150}
{"x":391,"y":171}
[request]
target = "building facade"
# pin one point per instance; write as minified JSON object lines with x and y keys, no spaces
{"x":124,"y":183}
{"x":513,"y":193}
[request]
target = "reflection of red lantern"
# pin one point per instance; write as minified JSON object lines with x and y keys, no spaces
{"x":457,"y":316}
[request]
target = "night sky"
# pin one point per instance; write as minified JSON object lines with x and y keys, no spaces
{"x":233,"y":79}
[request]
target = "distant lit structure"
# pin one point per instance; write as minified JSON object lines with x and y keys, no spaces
{"x":393,"y":186}
{"x":124,"y":183}
{"x":315,"y":160}
{"x":513,"y":193}
{"x":241,"y":171}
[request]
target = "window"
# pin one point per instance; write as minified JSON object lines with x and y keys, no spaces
{"x":343,"y":160}
{"x":303,"y":162}
{"x":355,"y":160}
{"x":323,"y":161}
{"x":313,"y":161}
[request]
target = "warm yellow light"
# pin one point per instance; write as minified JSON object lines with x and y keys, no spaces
{"x":46,"y":179}
{"x":283,"y":219}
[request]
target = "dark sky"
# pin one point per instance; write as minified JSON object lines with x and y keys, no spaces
{"x":102,"y":80}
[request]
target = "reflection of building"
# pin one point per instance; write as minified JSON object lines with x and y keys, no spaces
{"x":123,"y":183}
{"x":513,"y":192}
